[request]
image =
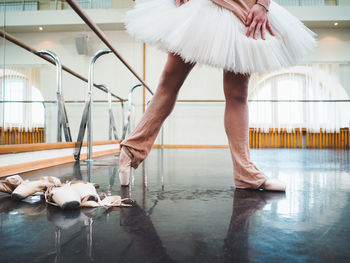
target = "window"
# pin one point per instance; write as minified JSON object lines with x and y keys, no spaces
{"x":38,"y":110}
{"x":300,"y":97}
{"x":14,"y":111}
{"x":18,"y":87}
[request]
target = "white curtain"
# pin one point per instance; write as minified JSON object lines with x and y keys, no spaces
{"x":304,"y":96}
{"x":21,"y":84}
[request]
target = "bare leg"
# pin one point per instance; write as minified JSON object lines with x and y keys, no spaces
{"x":138,"y":144}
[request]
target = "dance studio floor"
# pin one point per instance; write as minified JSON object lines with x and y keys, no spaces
{"x":187,"y":211}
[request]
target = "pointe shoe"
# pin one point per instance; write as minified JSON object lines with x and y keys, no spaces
{"x":124,"y":168}
{"x":9,"y":184}
{"x":86,"y":190}
{"x":65,"y":197}
{"x":28,"y":188}
{"x":273,"y":185}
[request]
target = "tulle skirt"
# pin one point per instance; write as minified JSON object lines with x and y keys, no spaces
{"x":202,"y":32}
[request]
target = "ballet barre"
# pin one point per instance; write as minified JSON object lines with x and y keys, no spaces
{"x":62,"y":118}
{"x":112,"y":129}
{"x":86,"y":119}
{"x":127,"y":126}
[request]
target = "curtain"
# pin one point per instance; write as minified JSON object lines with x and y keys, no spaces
{"x":304,"y":96}
{"x":19,"y":82}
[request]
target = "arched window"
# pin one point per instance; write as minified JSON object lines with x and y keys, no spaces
{"x":17,"y":85}
{"x":300,"y":97}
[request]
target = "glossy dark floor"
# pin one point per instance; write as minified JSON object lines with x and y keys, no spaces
{"x":187,"y":211}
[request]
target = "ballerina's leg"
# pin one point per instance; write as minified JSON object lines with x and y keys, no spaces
{"x":139,"y":142}
{"x":246,"y":174}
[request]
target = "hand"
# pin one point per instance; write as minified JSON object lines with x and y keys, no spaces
{"x":258,"y":20}
{"x":180,"y":2}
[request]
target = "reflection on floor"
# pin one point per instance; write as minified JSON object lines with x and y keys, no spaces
{"x":188,"y":211}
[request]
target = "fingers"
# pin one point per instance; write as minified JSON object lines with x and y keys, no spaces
{"x":258,"y":21}
{"x":180,"y":2}
{"x":269,"y":27}
{"x":249,"y":18}
{"x":256,"y":26}
{"x":263,"y":29}
{"x":251,"y":28}
{"x":256,"y":31}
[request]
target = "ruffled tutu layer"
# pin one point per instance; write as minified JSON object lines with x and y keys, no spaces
{"x":204,"y":33}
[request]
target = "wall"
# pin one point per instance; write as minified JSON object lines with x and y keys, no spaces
{"x":189,"y":120}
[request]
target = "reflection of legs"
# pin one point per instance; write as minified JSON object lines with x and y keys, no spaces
{"x":246,"y":174}
{"x":145,"y":245}
{"x":139,"y":142}
{"x":245,"y":205}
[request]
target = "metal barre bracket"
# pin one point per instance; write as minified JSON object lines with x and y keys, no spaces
{"x":126,"y":126}
{"x":87,"y":113}
{"x":112,"y":127}
{"x":62,"y":118}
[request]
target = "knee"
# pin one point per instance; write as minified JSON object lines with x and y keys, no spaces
{"x":236,"y":93}
{"x":236,"y":96}
{"x":236,"y":87}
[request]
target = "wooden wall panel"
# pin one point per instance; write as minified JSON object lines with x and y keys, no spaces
{"x":17,"y":135}
{"x":281,"y":138}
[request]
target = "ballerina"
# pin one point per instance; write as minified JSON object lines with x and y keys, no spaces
{"x":239,"y":36}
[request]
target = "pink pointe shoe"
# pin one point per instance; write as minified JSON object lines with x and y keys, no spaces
{"x":9,"y":184}
{"x":64,"y":196}
{"x":27,"y":188}
{"x":273,"y":185}
{"x":124,"y":168}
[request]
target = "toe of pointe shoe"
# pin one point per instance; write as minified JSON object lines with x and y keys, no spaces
{"x":124,"y":176}
{"x":274,"y":185}
{"x":17,"y":197}
{"x":124,"y":168}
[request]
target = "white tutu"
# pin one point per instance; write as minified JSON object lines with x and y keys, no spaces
{"x":205,"y":33}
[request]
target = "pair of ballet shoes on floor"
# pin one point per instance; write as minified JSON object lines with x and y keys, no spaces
{"x":70,"y":195}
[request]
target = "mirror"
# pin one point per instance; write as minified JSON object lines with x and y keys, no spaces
{"x":30,"y":85}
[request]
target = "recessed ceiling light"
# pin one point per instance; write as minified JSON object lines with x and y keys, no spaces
{"x":41,"y":28}
{"x":336,"y":23}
